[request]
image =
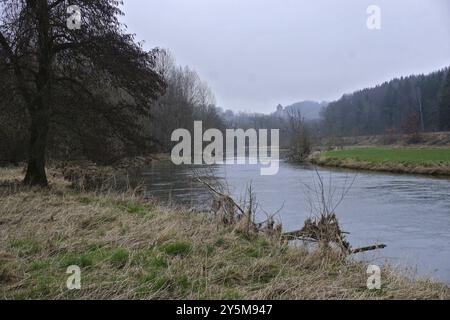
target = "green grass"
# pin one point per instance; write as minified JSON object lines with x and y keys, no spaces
{"x":135,"y":208}
{"x":177,"y":248}
{"x":399,"y":155}
{"x":26,"y":247}
{"x":120,"y":257}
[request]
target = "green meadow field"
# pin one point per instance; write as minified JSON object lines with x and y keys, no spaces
{"x":401,"y":155}
{"x":429,"y":161}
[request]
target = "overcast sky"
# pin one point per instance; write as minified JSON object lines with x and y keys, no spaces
{"x":257,"y":53}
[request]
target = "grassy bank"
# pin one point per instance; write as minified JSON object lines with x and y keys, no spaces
{"x":132,"y":248}
{"x":428,"y":139}
{"x":432,"y":161}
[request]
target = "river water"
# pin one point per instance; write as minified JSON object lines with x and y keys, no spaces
{"x":410,"y":214}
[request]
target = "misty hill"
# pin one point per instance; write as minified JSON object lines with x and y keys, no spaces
{"x":310,"y":110}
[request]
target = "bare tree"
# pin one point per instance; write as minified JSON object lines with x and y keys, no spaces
{"x":419,"y":102}
{"x":324,"y":227}
{"x":187,"y":98}
{"x":300,"y":144}
{"x":52,"y":64}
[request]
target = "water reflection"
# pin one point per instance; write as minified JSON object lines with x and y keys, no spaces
{"x":411,"y":214}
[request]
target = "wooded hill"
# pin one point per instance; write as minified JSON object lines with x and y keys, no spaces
{"x":402,"y":105}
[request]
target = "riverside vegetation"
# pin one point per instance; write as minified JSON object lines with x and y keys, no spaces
{"x":432,"y":161}
{"x":131,"y":247}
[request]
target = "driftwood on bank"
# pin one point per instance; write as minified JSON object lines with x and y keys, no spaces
{"x":241,"y":216}
{"x":370,"y":248}
{"x":324,"y":230}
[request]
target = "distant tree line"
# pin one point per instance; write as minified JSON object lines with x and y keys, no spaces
{"x":297,"y":135}
{"x":406,"y":105}
{"x":187,"y":99}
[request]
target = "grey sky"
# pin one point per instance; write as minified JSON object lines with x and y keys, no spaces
{"x":257,"y":53}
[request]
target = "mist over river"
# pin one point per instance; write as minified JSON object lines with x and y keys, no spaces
{"x":410,"y":214}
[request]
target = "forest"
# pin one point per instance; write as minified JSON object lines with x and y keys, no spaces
{"x":404,"y":105}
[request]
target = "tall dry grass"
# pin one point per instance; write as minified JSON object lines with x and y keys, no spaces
{"x":132,"y":248}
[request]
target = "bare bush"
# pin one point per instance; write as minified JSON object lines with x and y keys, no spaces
{"x":324,"y":228}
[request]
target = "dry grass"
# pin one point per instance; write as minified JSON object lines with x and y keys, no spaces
{"x":131,"y":248}
{"x":425,"y":139}
{"x":434,"y":169}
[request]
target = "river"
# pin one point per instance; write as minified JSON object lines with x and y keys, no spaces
{"x":410,"y":214}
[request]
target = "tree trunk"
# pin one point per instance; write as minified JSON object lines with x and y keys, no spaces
{"x":36,"y":175}
{"x":39,"y":108}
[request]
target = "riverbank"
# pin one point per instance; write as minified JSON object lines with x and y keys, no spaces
{"x":129,"y":247}
{"x":428,"y":161}
{"x":427,"y":139}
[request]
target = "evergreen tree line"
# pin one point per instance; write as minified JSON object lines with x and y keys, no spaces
{"x":404,"y":105}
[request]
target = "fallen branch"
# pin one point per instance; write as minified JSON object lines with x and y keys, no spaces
{"x":308,"y":234}
{"x":370,"y":248}
{"x":295,"y":237}
{"x":221,"y":195}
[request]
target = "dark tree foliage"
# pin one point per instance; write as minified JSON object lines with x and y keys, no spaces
{"x":13,"y":125}
{"x":391,"y":107}
{"x":95,"y":83}
{"x":444,"y":107}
